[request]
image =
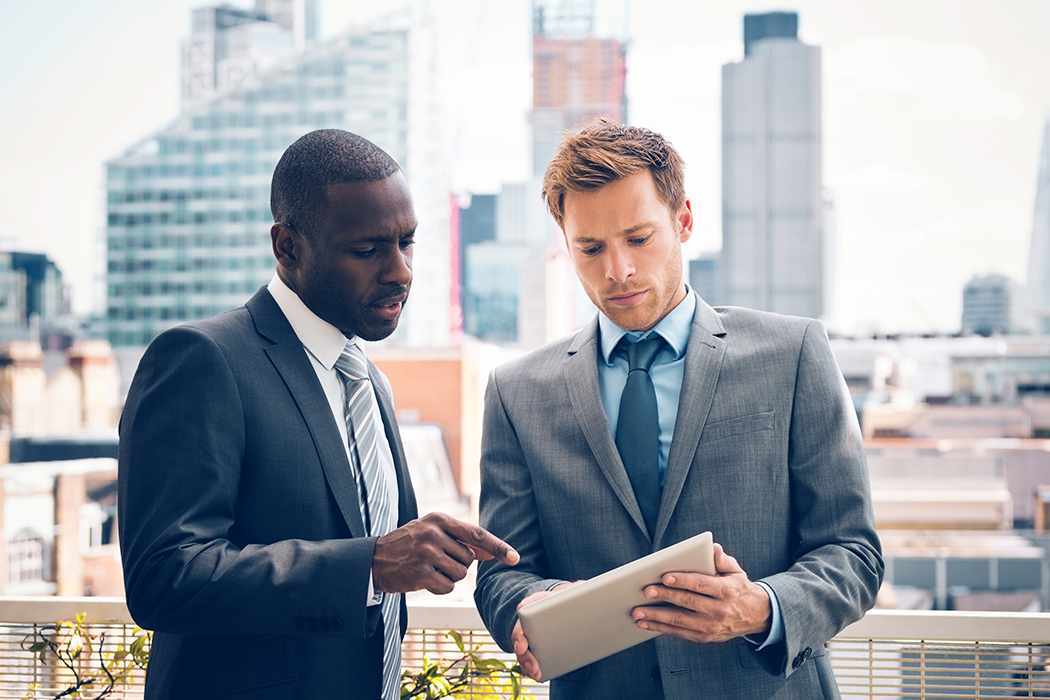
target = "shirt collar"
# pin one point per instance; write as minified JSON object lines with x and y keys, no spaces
{"x":320,"y":338}
{"x":674,"y":328}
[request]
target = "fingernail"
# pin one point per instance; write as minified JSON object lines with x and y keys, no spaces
{"x":650,"y":592}
{"x":643,"y":625}
{"x":670,"y":580}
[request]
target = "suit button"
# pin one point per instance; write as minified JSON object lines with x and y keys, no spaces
{"x":311,"y":624}
{"x":324,"y":624}
{"x":337,"y":624}
{"x":801,"y":657}
{"x":300,"y":623}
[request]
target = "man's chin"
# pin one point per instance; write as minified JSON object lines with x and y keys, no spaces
{"x":373,"y":334}
{"x":629,"y":320}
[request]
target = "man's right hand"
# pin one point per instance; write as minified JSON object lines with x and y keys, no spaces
{"x":526,"y":660}
{"x":433,"y":552}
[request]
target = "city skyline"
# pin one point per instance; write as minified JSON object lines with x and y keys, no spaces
{"x":932,"y":121}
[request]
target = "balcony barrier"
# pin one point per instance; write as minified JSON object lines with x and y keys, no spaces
{"x":888,"y":654}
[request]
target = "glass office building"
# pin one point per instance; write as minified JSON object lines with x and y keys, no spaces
{"x":187,"y":213}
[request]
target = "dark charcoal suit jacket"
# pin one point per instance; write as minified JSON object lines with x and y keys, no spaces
{"x":239,"y":523}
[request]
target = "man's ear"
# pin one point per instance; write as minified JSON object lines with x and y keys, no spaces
{"x":287,"y":245}
{"x":684,"y":219}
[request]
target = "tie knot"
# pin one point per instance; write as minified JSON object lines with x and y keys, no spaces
{"x":351,"y":362}
{"x":640,"y":355}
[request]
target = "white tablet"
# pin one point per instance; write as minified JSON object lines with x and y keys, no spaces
{"x":592,"y":620}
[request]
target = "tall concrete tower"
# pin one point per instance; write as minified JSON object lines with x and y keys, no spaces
{"x":1039,"y":247}
{"x":773,"y":204}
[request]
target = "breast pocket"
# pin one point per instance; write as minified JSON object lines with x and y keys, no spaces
{"x":735,"y":427}
{"x":737,"y":455}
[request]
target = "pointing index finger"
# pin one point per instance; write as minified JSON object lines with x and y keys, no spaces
{"x":484,"y":543}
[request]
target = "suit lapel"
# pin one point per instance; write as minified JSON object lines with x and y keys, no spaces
{"x":703,"y":361}
{"x":581,"y":378}
{"x":291,"y":362}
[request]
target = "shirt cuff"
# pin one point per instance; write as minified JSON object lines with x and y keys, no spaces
{"x":373,"y":597}
{"x":776,"y":624}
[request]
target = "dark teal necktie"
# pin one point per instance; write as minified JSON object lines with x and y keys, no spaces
{"x":638,"y":428}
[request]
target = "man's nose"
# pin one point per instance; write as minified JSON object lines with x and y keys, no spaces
{"x":398,"y":268}
{"x":619,"y":266}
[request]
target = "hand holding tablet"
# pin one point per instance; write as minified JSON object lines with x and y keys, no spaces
{"x":591,"y":620}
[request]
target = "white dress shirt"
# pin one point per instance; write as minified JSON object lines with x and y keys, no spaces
{"x":323,"y":343}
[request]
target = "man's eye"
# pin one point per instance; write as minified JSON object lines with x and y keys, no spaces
{"x":367,"y":253}
{"x":593,"y":250}
{"x":407,"y":243}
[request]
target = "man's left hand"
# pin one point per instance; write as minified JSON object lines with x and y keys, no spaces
{"x":705,"y":608}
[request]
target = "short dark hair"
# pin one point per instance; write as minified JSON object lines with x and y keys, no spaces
{"x":606,"y":151}
{"x":299,"y":190}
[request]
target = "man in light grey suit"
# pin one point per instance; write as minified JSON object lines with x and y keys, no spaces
{"x":755,"y":439}
{"x":267,"y":520}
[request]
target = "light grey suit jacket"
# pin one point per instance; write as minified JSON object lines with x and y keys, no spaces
{"x":766,"y":454}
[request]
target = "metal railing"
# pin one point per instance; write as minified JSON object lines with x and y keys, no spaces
{"x":888,"y":654}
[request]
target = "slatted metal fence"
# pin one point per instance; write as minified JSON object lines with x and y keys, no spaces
{"x":888,"y":654}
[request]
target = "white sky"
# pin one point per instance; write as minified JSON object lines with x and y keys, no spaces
{"x":933,"y":114}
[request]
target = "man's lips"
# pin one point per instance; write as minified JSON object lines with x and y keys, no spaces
{"x":389,"y":308}
{"x":627,"y":299}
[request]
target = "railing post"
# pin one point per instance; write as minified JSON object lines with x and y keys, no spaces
{"x":1045,"y":577}
{"x":941,"y":581}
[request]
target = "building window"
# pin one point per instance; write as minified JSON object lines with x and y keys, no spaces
{"x":96,"y":525}
{"x":25,"y":558}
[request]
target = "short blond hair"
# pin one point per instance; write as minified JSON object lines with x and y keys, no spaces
{"x":606,"y":151}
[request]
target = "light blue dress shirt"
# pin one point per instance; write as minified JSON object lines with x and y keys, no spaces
{"x":667,"y":373}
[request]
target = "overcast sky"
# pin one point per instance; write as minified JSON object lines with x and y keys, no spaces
{"x":933,"y":116}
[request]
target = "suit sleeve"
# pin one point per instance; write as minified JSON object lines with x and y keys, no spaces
{"x":181,"y":455}
{"x":508,"y":510}
{"x":837,"y":561}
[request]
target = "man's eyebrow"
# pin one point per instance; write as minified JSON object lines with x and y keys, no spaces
{"x":385,"y":237}
{"x":626,"y":232}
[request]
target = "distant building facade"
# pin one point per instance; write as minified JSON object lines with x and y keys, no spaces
{"x":188,"y":217}
{"x":578,"y":75}
{"x":994,"y":304}
{"x":30,"y":286}
{"x":518,"y":286}
{"x":773,"y":209}
{"x":1038,"y":283}
{"x":705,"y":277}
{"x":227,"y":45}
{"x":80,"y":395}
{"x":59,"y":533}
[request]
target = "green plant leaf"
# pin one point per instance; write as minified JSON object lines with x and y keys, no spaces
{"x":457,"y":637}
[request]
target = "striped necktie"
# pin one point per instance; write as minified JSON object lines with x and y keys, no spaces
{"x":373,"y":495}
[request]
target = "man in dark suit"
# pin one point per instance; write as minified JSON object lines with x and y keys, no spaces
{"x":267,"y":521}
{"x":747,"y":432}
